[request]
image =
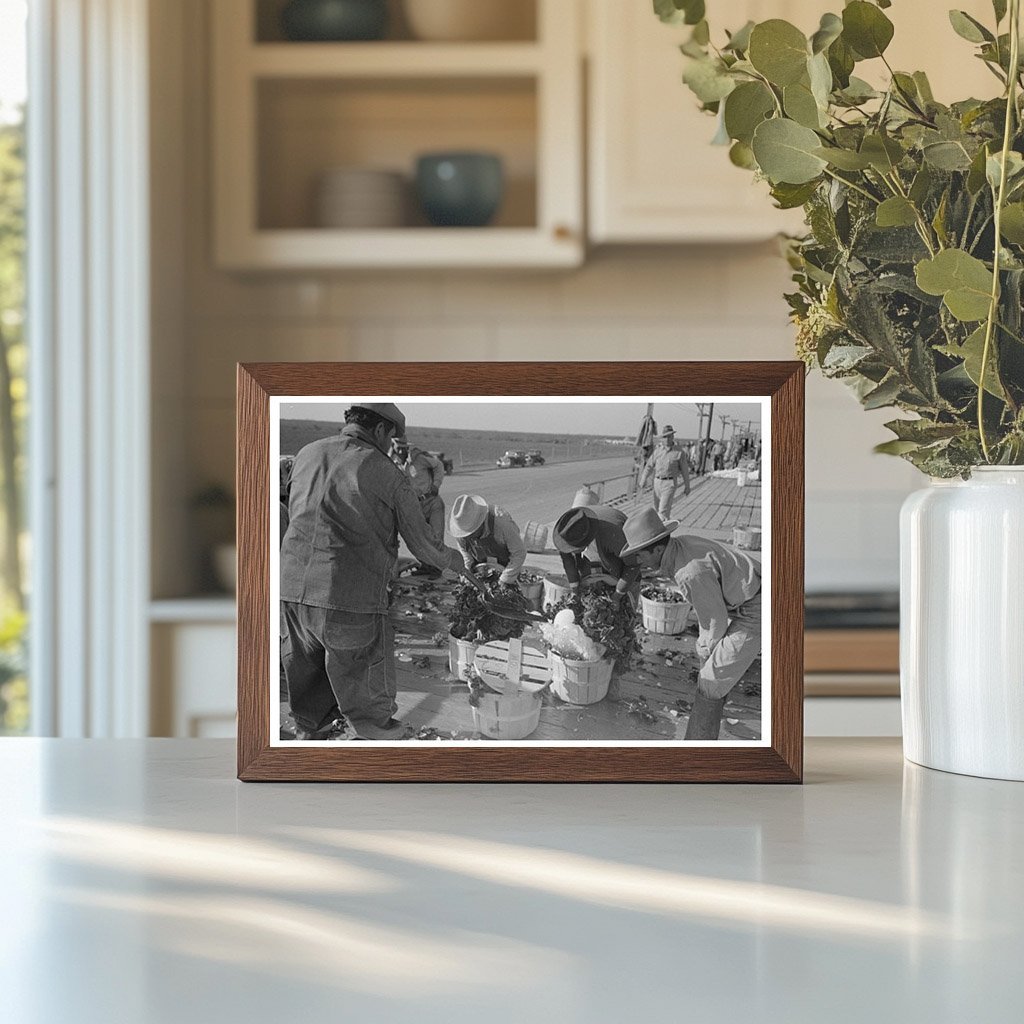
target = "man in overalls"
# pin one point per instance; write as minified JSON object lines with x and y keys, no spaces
{"x":724,"y":587}
{"x":667,"y":464}
{"x":348,"y":502}
{"x":486,"y":534}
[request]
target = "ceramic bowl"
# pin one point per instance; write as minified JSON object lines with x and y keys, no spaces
{"x":334,"y":20}
{"x":460,"y":189}
{"x":470,"y":20}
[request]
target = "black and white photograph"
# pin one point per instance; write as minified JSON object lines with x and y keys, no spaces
{"x":491,"y":570}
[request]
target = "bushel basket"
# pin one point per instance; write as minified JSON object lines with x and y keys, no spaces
{"x":580,"y":682}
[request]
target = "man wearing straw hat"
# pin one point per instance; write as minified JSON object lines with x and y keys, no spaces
{"x":724,"y":587}
{"x":348,"y":503}
{"x":601,"y":526}
{"x":667,"y":464}
{"x":487,"y":534}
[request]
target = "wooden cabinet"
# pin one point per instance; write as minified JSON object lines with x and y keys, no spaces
{"x":285,"y":114}
{"x":653,"y":175}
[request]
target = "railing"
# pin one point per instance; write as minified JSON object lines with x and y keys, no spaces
{"x":627,"y":490}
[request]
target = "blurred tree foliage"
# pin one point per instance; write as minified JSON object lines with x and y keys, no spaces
{"x":13,"y":410}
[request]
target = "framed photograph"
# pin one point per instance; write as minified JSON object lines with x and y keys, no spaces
{"x":513,"y":572}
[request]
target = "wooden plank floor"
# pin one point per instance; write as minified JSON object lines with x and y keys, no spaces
{"x":652,"y":700}
{"x":714,"y":506}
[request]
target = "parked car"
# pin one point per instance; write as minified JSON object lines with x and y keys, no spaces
{"x":449,"y":465}
{"x":510,"y":459}
{"x":534,"y":458}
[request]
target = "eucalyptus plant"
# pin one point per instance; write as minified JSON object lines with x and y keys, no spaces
{"x":909,"y":280}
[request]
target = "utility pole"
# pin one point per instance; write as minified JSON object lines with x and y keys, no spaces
{"x":706,"y":445}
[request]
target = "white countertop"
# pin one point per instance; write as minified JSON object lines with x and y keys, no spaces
{"x":143,"y":885}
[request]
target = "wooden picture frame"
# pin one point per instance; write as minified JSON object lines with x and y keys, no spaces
{"x":779,"y":759}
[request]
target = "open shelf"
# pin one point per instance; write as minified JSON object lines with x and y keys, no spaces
{"x":286,"y":114}
{"x":393,"y":60}
{"x":308,"y":127}
{"x":520,"y":17}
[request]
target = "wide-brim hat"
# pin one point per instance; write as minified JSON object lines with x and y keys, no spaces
{"x":573,"y":531}
{"x":387,"y":410}
{"x":668,"y":431}
{"x":642,"y":529}
{"x":468,"y":514}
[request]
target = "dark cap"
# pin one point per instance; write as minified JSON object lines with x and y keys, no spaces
{"x":574,"y":530}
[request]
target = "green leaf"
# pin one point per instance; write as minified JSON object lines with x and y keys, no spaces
{"x":947,"y":156}
{"x":785,"y":152}
{"x":999,"y":6}
{"x":885,"y":394}
{"x":923,"y":431}
{"x":708,"y":81}
{"x":841,"y":60}
{"x":976,"y":175}
{"x":742,"y":155}
{"x":963,"y":281}
{"x":830,"y":30}
{"x":924,"y":87}
{"x":778,"y":50}
{"x":676,"y":12}
{"x":939,"y":220}
{"x":789,"y":197}
{"x":801,"y":106}
{"x":866,"y":29}
{"x":883,"y":153}
{"x":895,"y":447}
{"x":896,"y":212}
{"x":820,"y":75}
{"x":739,"y":41}
{"x":858,"y":91}
{"x":922,"y":185}
{"x":971,"y":352}
{"x":968,"y":28}
{"x":701,"y":33}
{"x":745,"y":108}
{"x":1014,"y":169}
{"x":844,"y":159}
{"x":1012,"y":225}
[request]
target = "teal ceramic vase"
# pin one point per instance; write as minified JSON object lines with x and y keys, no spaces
{"x":332,"y":21}
{"x":462,"y":190}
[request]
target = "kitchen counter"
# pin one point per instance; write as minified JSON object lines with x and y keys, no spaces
{"x":144,"y":884}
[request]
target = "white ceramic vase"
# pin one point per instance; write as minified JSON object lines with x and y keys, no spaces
{"x":962,"y":624}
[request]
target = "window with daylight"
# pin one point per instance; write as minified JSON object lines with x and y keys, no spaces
{"x":14,"y":547}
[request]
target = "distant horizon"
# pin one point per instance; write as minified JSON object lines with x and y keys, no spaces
{"x":566,"y":419}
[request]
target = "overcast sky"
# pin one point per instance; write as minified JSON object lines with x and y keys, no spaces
{"x":614,"y":419}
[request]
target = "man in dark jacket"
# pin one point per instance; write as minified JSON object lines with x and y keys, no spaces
{"x":600,"y":526}
{"x":347,"y":505}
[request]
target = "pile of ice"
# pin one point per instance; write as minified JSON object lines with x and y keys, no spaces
{"x":568,"y":640}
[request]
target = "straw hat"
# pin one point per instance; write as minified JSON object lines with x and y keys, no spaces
{"x":642,"y":529}
{"x":573,"y":531}
{"x":668,"y":432}
{"x":388,"y":410}
{"x":468,"y":514}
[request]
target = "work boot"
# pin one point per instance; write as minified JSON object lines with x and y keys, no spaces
{"x":390,"y":730}
{"x":705,"y":718}
{"x":338,"y":729}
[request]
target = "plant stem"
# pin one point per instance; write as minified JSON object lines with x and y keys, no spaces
{"x":855,"y":187}
{"x":993,"y":309}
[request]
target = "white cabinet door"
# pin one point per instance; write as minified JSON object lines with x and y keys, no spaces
{"x":653,"y":175}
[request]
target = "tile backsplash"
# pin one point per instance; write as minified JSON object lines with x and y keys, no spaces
{"x":705,"y":303}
